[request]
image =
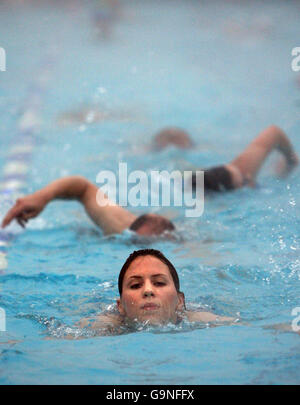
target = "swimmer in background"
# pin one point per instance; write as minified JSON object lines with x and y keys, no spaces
{"x":171,"y":136}
{"x":150,"y":294}
{"x":111,"y":218}
{"x":91,"y":114}
{"x":242,"y":170}
{"x":105,"y":16}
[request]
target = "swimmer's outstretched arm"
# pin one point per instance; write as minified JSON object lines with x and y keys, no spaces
{"x":251,"y":159}
{"x":281,"y":327}
{"x":199,"y":316}
{"x":111,"y":218}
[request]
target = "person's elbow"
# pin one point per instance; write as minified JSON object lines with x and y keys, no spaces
{"x":82,"y":185}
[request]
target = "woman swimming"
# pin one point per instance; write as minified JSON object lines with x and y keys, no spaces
{"x":150,"y":294}
{"x":112,"y":218}
{"x":241,"y":171}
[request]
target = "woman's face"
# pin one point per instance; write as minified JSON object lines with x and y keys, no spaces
{"x":149,"y":293}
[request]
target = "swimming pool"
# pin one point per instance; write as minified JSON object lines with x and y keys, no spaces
{"x":223,"y":73}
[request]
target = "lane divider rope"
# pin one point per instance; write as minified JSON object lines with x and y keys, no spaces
{"x":14,"y":177}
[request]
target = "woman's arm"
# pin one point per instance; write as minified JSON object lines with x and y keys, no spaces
{"x":198,"y":316}
{"x":110,"y":217}
{"x":251,"y":159}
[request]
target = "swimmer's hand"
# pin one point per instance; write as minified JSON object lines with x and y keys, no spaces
{"x":24,"y":209}
{"x":294,"y":160}
{"x":284,"y":166}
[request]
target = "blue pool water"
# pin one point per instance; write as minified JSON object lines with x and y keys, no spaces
{"x":222,"y":72}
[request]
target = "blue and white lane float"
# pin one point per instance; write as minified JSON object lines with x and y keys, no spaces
{"x":13,"y":180}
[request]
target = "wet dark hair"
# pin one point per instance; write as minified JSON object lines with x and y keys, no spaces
{"x":158,"y":223}
{"x":147,"y":252}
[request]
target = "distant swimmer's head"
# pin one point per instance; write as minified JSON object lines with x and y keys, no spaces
{"x":151,"y":225}
{"x":172,"y":136}
{"x":149,"y":288}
